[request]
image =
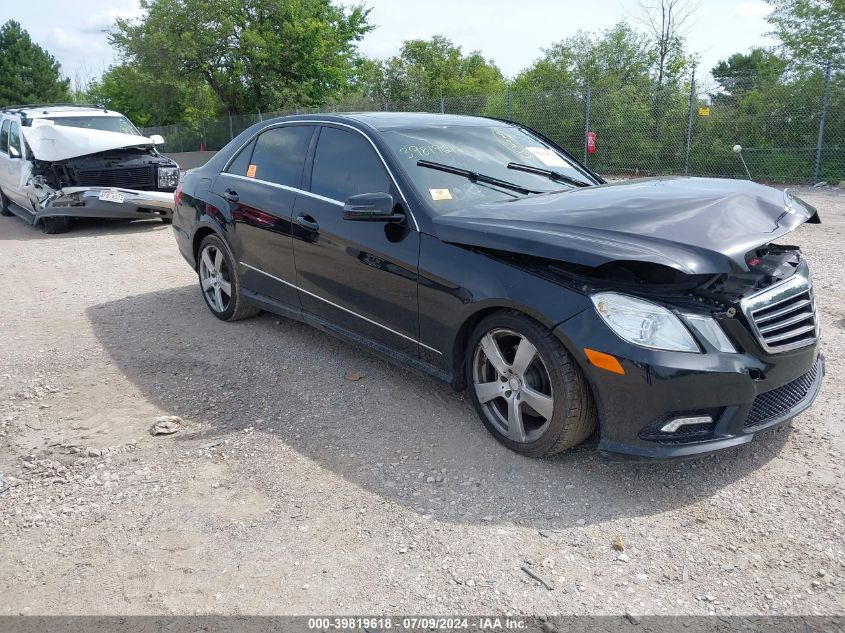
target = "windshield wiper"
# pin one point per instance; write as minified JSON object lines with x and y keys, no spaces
{"x":548,"y":173}
{"x":474,"y":176}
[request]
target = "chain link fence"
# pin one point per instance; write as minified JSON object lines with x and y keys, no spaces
{"x":791,"y":129}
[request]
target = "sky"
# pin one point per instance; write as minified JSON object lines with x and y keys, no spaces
{"x":512,"y":33}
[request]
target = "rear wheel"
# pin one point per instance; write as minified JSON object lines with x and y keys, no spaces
{"x":219,"y":282}
{"x":527,"y":390}
{"x":4,"y":205}
{"x":55,"y":225}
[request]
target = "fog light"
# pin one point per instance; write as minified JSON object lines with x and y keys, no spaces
{"x":673,"y":425}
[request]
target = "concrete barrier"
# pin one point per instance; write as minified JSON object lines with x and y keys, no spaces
{"x":190,"y":160}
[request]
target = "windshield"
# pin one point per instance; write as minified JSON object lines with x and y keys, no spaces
{"x":105,"y":123}
{"x":484,"y":150}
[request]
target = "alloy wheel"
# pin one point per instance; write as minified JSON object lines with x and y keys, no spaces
{"x":513,"y":385}
{"x":215,"y":278}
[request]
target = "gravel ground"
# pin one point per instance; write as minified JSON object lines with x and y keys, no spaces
{"x":291,"y":489}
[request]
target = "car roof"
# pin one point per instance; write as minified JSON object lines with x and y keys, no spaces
{"x":383,"y":121}
{"x":38,"y":111}
{"x":398,"y":120}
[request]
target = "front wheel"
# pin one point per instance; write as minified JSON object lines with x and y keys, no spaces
{"x":527,"y":390}
{"x":219,"y":282}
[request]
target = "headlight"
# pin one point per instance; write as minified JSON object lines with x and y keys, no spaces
{"x":168,"y":177}
{"x":643,"y":323}
{"x":710,"y":331}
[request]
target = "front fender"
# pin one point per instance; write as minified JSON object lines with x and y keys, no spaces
{"x":459,"y":286}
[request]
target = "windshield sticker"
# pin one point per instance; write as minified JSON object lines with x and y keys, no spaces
{"x":250,"y":172}
{"x":440,"y":194}
{"x":510,"y":142}
{"x":548,"y":157}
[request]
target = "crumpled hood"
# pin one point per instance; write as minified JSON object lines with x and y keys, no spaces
{"x":695,"y":225}
{"x":53,"y":143}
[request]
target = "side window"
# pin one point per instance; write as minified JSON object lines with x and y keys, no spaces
{"x":4,"y":137}
{"x":15,"y":138}
{"x":345,"y":164}
{"x":279,"y":155}
{"x":240,"y":165}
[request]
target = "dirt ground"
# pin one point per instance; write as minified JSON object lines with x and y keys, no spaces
{"x":293,"y":490}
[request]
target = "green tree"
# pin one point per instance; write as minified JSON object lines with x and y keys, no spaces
{"x":149,"y":101}
{"x":368,"y":78}
{"x":637,"y":118}
{"x":617,"y":56}
{"x":811,"y":30}
{"x":744,"y":72}
{"x":427,"y":69}
{"x":251,"y":54}
{"x":28,"y":73}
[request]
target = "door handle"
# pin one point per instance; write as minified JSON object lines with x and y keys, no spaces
{"x":306,"y":221}
{"x":230,"y":195}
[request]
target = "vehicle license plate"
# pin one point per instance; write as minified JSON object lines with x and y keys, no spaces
{"x":112,"y":196}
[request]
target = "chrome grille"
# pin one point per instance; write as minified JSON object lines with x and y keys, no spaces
{"x":783,"y":316}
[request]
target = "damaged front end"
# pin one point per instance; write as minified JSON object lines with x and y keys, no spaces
{"x":753,"y":358}
{"x":767,"y":265}
{"x":712,"y":321}
{"x":77,"y":172}
{"x":125,"y":183}
{"x":700,"y":245}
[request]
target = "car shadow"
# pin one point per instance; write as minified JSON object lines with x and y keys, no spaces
{"x":393,"y":432}
{"x":13,"y":228}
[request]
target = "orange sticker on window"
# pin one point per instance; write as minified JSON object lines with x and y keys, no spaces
{"x":250,"y":172}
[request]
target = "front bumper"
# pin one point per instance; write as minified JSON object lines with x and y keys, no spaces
{"x":84,"y":202}
{"x":744,"y":393}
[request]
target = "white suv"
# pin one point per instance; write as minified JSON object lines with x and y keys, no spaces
{"x":63,"y":161}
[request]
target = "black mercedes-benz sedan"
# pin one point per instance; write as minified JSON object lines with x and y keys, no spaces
{"x":659,"y":312}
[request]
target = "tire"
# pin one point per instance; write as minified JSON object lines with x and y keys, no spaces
{"x":55,"y":225}
{"x":565,"y":413}
{"x":217,"y":274}
{"x":166,"y":221}
{"x":4,"y":205}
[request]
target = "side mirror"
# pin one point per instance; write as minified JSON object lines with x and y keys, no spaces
{"x":371,"y":207}
{"x":14,"y":152}
{"x":157,"y":139}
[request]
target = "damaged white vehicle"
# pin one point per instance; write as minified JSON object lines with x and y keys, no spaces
{"x":59,"y":162}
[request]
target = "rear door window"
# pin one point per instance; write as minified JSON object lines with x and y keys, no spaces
{"x":240,"y":165}
{"x":4,"y":137}
{"x":345,"y":164}
{"x":279,"y":155}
